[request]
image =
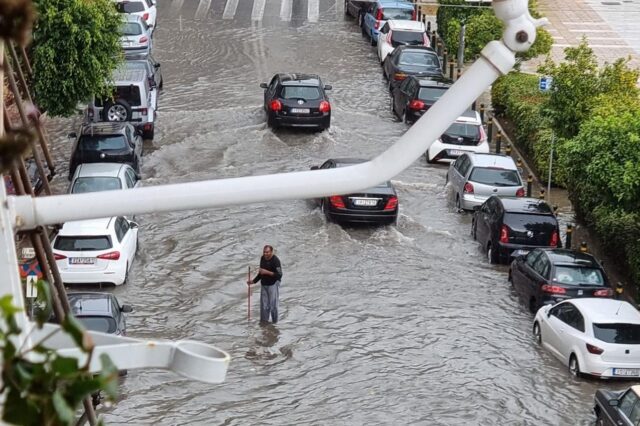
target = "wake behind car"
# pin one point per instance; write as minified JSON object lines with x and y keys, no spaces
{"x":297,"y":100}
{"x":377,"y":205}
{"x":546,"y":276}
{"x":404,"y":61}
{"x":505,"y":224}
{"x":466,"y":134}
{"x":617,"y":408}
{"x":415,"y":95}
{"x":106,"y":143}
{"x":592,"y":336}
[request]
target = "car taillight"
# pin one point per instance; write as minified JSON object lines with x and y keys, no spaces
{"x":325,"y":106}
{"x":337,"y":202}
{"x":413,"y":15}
{"x":145,"y":16}
{"x":553,"y":289}
{"x":416,"y":104}
{"x":57,"y":256}
{"x":520,"y":192}
{"x":379,"y":15}
{"x":594,"y":349}
{"x":554,"y":239}
{"x":143,"y":39}
{"x":275,"y":105}
{"x":389,"y":37}
{"x":504,"y":234}
{"x":399,"y":76}
{"x":392,"y":203}
{"x":468,"y":188}
{"x":112,"y":255}
{"x":605,"y":292}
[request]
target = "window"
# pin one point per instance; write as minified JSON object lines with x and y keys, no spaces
{"x":394,"y":13}
{"x":465,"y":166}
{"x":121,"y":227}
{"x":131,"y":178}
{"x":573,"y":317}
{"x":385,"y":29}
{"x":149,"y":3}
{"x":131,"y":29}
{"x":627,"y":402}
{"x":130,"y":7}
{"x":628,"y":334}
{"x":404,"y":86}
{"x":540,"y":265}
{"x":101,"y":324}
{"x":399,"y":38}
{"x":95,"y":184}
{"x":102,"y":143}
{"x":431,"y":94}
{"x":300,"y":92}
{"x":495,"y":177}
{"x":531,"y":258}
{"x":70,"y":243}
{"x":418,"y":59}
{"x":576,"y":275}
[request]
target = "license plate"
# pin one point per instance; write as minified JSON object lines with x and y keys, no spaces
{"x":365,"y":202}
{"x":456,"y":152}
{"x":300,"y":110}
{"x":82,"y":260}
{"x":517,"y":253}
{"x":626,"y":371}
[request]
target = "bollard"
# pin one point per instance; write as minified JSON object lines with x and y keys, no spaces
{"x":429,"y":27}
{"x":434,"y":38}
{"x":444,"y":60}
{"x":490,"y":130}
{"x":440,"y":47}
{"x":451,"y":65}
{"x":583,"y":247}
{"x":619,"y":289}
{"x":529,"y":185}
{"x":482,"y":113}
{"x":458,"y":74}
{"x":424,"y":19}
{"x":419,"y":15}
{"x":519,"y":163}
{"x":507,"y":150}
{"x":567,"y":242}
{"x":498,"y":141}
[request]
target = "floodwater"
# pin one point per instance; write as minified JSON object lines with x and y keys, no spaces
{"x":392,"y":325}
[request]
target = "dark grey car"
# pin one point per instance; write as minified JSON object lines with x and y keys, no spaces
{"x":404,"y":61}
{"x":99,"y":311}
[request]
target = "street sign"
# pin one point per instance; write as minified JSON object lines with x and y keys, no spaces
{"x":544,"y":83}
{"x":28,"y":252}
{"x":32,"y":290}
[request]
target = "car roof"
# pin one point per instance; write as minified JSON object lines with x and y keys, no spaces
{"x":90,"y":303}
{"x":433,"y":81}
{"x":87,"y":227}
{"x":607,"y":311}
{"x":402,"y":48}
{"x":525,"y":205}
{"x":297,"y":79}
{"x":405,"y":25}
{"x":124,"y":75}
{"x":100,"y":169}
{"x":559,"y":256}
{"x":396,"y":3}
{"x":129,"y":17}
{"x":470,"y":116}
{"x":103,"y":128}
{"x":492,"y":160}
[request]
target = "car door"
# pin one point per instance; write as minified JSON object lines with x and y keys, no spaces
{"x":128,"y":239}
{"x":370,"y":19}
{"x":483,"y":216}
{"x":572,"y":333}
{"x":382,"y":38}
{"x":269,"y":92}
{"x":537,"y":275}
{"x":553,"y":328}
{"x":399,"y":96}
{"x":388,"y":63}
{"x":131,"y":178}
{"x":520,"y":275}
{"x":627,"y":412}
{"x":329,"y":164}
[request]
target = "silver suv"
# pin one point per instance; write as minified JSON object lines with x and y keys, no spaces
{"x":476,"y":176}
{"x":133,"y":100}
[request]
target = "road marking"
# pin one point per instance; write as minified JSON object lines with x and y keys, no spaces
{"x":605,"y":31}
{"x":230,"y":9}
{"x":286,"y":9}
{"x":176,"y":5}
{"x":313,"y":7}
{"x":203,"y":8}
{"x":258,"y":9}
{"x":586,"y":23}
{"x":607,"y":46}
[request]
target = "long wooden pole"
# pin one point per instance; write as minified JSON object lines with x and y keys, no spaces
{"x":248,"y":293}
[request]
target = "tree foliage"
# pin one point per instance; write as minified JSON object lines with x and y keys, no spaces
{"x":76,"y":46}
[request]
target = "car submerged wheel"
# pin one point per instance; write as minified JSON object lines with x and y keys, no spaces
{"x":537,"y":335}
{"x":458,"y":205}
{"x":574,"y":366}
{"x":492,"y":255}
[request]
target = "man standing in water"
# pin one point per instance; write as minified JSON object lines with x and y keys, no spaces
{"x":269,"y":275}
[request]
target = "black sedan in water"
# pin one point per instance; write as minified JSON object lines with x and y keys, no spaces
{"x":549,"y":276}
{"x":377,"y":205}
{"x":617,"y":408}
{"x":415,"y":95}
{"x":404,"y":61}
{"x":297,"y":100}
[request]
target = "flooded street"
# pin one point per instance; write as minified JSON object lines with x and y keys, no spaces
{"x":391,"y":325}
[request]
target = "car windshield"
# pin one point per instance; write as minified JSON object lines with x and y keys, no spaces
{"x":628,"y":334}
{"x":575,"y":275}
{"x":131,"y":29}
{"x":407,"y":37}
{"x":464,"y":130}
{"x":70,"y":243}
{"x":130,"y":7}
{"x":95,"y":184}
{"x":431,"y":94}
{"x":395,"y":13}
{"x":418,"y":59}
{"x":300,"y":92}
{"x":101,"y":324}
{"x":495,"y":177}
{"x":102,"y":143}
{"x":137,"y":65}
{"x":546,"y":223}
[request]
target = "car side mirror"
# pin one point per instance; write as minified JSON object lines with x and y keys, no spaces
{"x":133,"y":225}
{"x":126,"y":308}
{"x":613,"y":402}
{"x":156,"y":65}
{"x":263,"y":85}
{"x":327,"y":87}
{"x":72,"y":135}
{"x":314,"y":167}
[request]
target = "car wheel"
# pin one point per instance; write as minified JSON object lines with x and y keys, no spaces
{"x":126,"y":275}
{"x":533,"y":305}
{"x":599,"y":419}
{"x":361,"y":24}
{"x":429,"y":160}
{"x":148,"y":134}
{"x":574,"y":366}
{"x":537,"y":334}
{"x":492,"y":255}
{"x":405,"y":118}
{"x":373,"y":40}
{"x":118,"y":110}
{"x":474,"y":234}
{"x":458,"y":205}
{"x":271,"y":122}
{"x":161,"y":83}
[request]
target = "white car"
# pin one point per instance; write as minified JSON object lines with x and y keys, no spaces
{"x":593,"y":336}
{"x":95,"y":177}
{"x":97,"y":251}
{"x":135,"y":36}
{"x":146,"y":9}
{"x":466,"y":134}
{"x":399,"y":32}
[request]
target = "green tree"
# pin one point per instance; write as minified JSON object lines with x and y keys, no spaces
{"x":76,"y":47}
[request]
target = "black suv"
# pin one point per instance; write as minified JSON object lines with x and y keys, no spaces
{"x":297,"y":100}
{"x":548,"y":276}
{"x":415,"y":95}
{"x":503,"y":225}
{"x":106,"y":143}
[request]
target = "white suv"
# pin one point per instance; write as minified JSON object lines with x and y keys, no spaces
{"x":466,"y":134}
{"x":97,"y":251}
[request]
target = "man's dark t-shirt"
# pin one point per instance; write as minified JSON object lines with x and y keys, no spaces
{"x":272,"y":265}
